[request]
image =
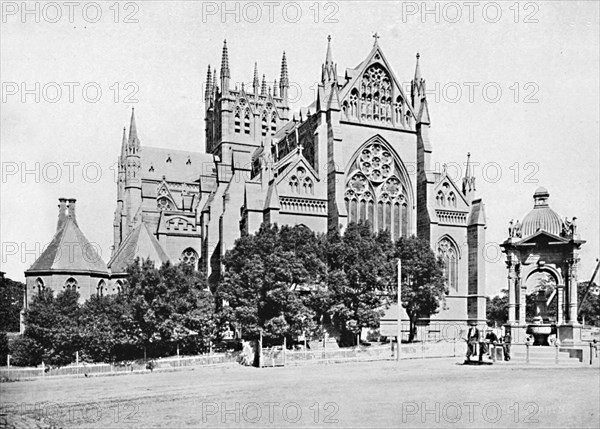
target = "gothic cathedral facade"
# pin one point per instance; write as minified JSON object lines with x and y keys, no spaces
{"x":360,"y":152}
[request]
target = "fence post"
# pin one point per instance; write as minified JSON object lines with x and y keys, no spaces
{"x":555,"y":353}
{"x":260,"y":353}
{"x":284,"y":347}
{"x":591,"y":352}
{"x":527,"y":353}
{"x":77,"y":364}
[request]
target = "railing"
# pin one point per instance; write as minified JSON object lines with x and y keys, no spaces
{"x":85,"y":369}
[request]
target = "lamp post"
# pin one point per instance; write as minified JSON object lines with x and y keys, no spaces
{"x":399,"y":333}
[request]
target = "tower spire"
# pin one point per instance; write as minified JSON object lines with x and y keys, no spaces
{"x":124,"y":145}
{"x":255,"y":79}
{"x":263,"y":89}
{"x":275,"y":88}
{"x":418,"y":69}
{"x":468,"y":182}
{"x":329,"y":71}
{"x":284,"y":82}
{"x":133,"y":137}
{"x":208,"y":90}
{"x":417,"y":89}
{"x":225,"y":72}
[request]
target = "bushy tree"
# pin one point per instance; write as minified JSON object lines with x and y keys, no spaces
{"x":360,"y":277}
{"x":497,"y":308}
{"x":590,"y":307}
{"x":11,"y":303}
{"x":169,"y":306}
{"x":53,"y":324}
{"x":263,"y":279}
{"x":424,"y":287}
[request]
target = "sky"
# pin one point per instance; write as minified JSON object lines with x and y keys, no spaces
{"x":514,"y":84}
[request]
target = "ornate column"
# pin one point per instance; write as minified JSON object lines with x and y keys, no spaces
{"x":572,"y":276}
{"x":522,"y":295}
{"x":511,"y":290}
{"x":560,"y":297}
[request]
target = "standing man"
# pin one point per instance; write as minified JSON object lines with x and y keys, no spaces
{"x":506,"y":343}
{"x":491,"y":339}
{"x":472,"y":340}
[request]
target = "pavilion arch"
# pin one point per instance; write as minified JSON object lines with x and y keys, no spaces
{"x":535,"y":274}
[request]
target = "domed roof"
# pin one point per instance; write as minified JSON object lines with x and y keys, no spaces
{"x":541,"y":217}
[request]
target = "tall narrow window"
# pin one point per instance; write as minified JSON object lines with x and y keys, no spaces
{"x":101,"y":288}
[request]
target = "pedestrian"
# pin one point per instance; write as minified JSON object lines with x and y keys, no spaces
{"x":507,"y":340}
{"x":472,"y":340}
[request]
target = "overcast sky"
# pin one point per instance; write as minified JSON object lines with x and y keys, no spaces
{"x":517,"y":86}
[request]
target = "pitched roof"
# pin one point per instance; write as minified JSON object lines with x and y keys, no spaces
{"x":175,"y":165}
{"x":69,"y":250}
{"x":139,"y":243}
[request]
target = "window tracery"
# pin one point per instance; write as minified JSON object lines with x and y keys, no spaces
{"x":375,"y":193}
{"x":189,"y":257}
{"x":447,"y":250}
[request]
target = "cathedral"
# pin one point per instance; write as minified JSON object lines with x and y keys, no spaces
{"x":360,"y":152}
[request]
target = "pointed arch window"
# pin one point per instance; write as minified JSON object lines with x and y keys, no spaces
{"x":273,"y":123}
{"x":307,"y":186}
{"x":375,"y":100}
{"x":237,"y":120}
{"x":164,"y":203}
{"x":118,"y":286}
{"x":190,"y":257}
{"x":447,"y":250}
{"x":71,"y":284}
{"x":264,"y":124}
{"x":374,"y":185}
{"x":247,"y":121}
{"x":39,"y":285}
{"x":101,"y":288}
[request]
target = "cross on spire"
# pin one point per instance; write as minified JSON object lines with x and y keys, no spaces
{"x":376,"y":37}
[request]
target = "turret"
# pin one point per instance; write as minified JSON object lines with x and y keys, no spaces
{"x":133,"y":181}
{"x":468,"y":182}
{"x":255,"y":84}
{"x":284,"y":83}
{"x":329,"y":69}
{"x":225,"y":72}
{"x":417,"y":88}
{"x":208,"y":91}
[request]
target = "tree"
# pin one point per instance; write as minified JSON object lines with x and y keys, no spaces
{"x":360,"y":277}
{"x":51,"y":323}
{"x":590,"y":308}
{"x":265,"y":275}
{"x":11,"y":303}
{"x":169,"y":306}
{"x":497,"y":308}
{"x":423,"y":285}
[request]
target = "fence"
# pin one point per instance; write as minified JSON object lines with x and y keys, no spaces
{"x":85,"y":369}
{"x":276,"y":356}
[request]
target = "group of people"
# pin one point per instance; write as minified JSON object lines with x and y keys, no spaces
{"x":486,"y":341}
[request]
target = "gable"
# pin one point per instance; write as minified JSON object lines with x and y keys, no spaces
{"x":374,"y":95}
{"x":448,"y":196}
{"x":298,"y":178}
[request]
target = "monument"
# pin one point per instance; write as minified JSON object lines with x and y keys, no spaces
{"x":542,"y":255}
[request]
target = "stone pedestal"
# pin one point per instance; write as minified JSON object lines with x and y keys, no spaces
{"x":518,"y":333}
{"x":569,"y":334}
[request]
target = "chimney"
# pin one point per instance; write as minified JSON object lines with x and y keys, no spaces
{"x":62,"y":212}
{"x":72,"y":202}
